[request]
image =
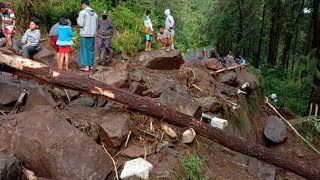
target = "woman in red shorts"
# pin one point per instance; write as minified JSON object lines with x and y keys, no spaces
{"x":64,"y":42}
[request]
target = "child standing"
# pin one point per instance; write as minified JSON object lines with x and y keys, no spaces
{"x":30,"y":42}
{"x":148,"y":30}
{"x":64,"y":42}
{"x":8,"y":24}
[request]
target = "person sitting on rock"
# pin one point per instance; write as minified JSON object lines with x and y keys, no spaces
{"x":30,"y":41}
{"x":105,"y":31}
{"x":201,"y":56}
{"x":8,"y":24}
{"x":164,"y":38}
{"x":229,"y":59}
{"x":53,"y":36}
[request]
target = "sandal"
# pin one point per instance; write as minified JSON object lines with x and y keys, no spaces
{"x":84,"y":69}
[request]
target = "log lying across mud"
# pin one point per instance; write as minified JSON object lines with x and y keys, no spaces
{"x":153,"y":108}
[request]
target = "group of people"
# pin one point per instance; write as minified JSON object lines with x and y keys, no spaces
{"x":61,"y":35}
{"x":227,"y":60}
{"x":165,"y":34}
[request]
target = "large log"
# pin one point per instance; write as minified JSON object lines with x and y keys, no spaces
{"x":151,"y":107}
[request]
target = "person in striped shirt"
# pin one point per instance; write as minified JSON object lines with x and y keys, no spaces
{"x":8,"y":23}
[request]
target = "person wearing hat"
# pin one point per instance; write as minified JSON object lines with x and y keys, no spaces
{"x":8,"y":24}
{"x":88,"y":23}
{"x":105,"y":31}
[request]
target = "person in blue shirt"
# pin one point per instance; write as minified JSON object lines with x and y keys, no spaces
{"x":64,"y":42}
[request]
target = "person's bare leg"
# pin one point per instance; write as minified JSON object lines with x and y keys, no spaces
{"x":146,"y":49}
{"x":67,"y":61}
{"x":9,"y":43}
{"x":58,"y":58}
{"x":60,"y":62}
{"x":149,"y":46}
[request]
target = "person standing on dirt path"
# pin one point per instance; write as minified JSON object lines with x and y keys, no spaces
{"x":170,"y":24}
{"x":88,"y":23}
{"x":8,"y":24}
{"x":105,"y":31}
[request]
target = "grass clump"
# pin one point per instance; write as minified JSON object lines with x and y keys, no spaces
{"x":192,"y":167}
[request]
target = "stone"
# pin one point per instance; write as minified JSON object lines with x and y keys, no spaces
{"x":121,"y":65}
{"x":188,"y":136}
{"x":275,"y":129}
{"x":45,"y":56}
{"x":161,"y":60}
{"x":51,"y":147}
{"x":157,"y":89}
{"x":61,"y":94}
{"x":124,"y":56}
{"x":135,"y":151}
{"x":209,"y":104}
{"x":111,"y":76}
{"x":136,"y":168}
{"x":181,"y":90}
{"x":243,"y":76}
{"x":136,"y":75}
{"x":266,"y":171}
{"x":137,"y":88}
{"x":9,"y":94}
{"x":228,"y":78}
{"x":10,"y":167}
{"x":85,"y":101}
{"x":114,"y":128}
{"x":180,"y":103}
{"x":213,"y":64}
{"x":219,"y":123}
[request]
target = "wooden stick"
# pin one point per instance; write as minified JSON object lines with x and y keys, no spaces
{"x":195,"y":86}
{"x":127,"y":141}
{"x":289,"y":124}
{"x":114,"y":163}
{"x":229,"y":68}
{"x":149,"y":133}
{"x":67,"y":95}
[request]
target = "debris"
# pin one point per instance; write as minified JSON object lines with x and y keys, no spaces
{"x":136,"y":167}
{"x":215,"y":121}
{"x":239,"y":91}
{"x":29,"y":174}
{"x":188,"y":136}
{"x":19,"y":102}
{"x":136,"y":75}
{"x":149,"y":133}
{"x":137,"y":88}
{"x":169,"y":131}
{"x":111,"y":76}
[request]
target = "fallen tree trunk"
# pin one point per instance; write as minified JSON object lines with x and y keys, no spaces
{"x":151,"y":107}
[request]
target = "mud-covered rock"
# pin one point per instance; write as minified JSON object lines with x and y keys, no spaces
{"x":228,"y":78}
{"x":180,"y":103}
{"x":243,"y":76}
{"x":111,"y":76}
{"x":9,"y":93}
{"x":275,"y":129}
{"x":209,"y":103}
{"x":52,"y":147}
{"x":161,"y":60}
{"x":114,"y":128}
{"x":213,"y":64}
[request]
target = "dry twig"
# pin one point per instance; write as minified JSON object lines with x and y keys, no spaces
{"x":128,"y":138}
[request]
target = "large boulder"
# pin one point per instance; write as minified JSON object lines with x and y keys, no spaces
{"x":45,"y":56}
{"x":51,"y":147}
{"x":114,"y":128}
{"x":228,"y":78}
{"x":243,"y":76}
{"x":180,"y":103}
{"x":155,"y":90}
{"x":213,"y":64}
{"x":209,"y":103}
{"x":9,"y":93}
{"x":275,"y":129}
{"x":161,"y":60}
{"x":10,"y":167}
{"x":111,"y":76}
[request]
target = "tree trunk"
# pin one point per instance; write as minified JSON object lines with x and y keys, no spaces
{"x":114,"y":3}
{"x":258,"y":57}
{"x":289,"y":36}
{"x":240,"y":33}
{"x":274,"y":34}
{"x":151,"y":107}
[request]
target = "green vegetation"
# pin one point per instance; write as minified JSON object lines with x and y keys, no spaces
{"x":192,"y":166}
{"x":307,"y":127}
